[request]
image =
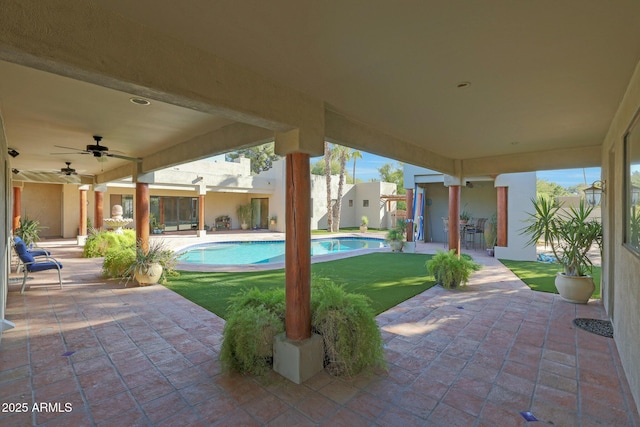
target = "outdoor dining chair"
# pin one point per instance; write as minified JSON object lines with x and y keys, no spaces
{"x":30,"y":265}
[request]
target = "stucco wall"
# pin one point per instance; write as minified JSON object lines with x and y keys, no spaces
{"x":621,"y":266}
{"x":521,"y":190}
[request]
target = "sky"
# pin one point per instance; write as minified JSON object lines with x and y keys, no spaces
{"x":367,"y":169}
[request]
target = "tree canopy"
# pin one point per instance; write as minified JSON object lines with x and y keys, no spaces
{"x":393,"y":173}
{"x":261,"y":156}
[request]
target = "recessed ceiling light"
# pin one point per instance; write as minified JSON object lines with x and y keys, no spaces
{"x":463,"y":85}
{"x":139,"y":101}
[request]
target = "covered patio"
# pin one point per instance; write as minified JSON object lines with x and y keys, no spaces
{"x":146,"y":356}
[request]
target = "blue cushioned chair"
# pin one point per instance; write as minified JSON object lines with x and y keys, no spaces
{"x":34,"y":252}
{"x":33,"y":266}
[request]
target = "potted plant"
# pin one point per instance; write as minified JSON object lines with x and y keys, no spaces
{"x":155,"y":226}
{"x":491,"y":234}
{"x":149,"y":266}
{"x":451,"y":270}
{"x":364,"y":221}
{"x":244,"y":215}
{"x":28,"y":231}
{"x":571,"y":234}
{"x":395,"y":238}
{"x":273,"y":223}
{"x":465,"y":216}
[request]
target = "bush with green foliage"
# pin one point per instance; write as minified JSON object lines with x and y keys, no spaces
{"x":351,"y":336}
{"x":117,"y":261}
{"x":256,"y":317}
{"x":99,"y":242}
{"x":451,"y":270}
{"x":347,"y":325}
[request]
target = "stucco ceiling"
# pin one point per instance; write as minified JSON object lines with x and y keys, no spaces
{"x":543,"y":75}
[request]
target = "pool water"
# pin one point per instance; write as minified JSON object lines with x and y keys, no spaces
{"x":241,"y":253}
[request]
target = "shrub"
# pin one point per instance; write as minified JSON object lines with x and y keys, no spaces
{"x":352,"y":340}
{"x":449,"y":270}
{"x":255,"y":318}
{"x":117,"y":261}
{"x":345,"y":321}
{"x":99,"y":242}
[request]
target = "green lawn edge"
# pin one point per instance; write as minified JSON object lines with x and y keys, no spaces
{"x":540,"y":276}
{"x":387,"y":279}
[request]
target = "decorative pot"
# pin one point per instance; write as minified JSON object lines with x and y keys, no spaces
{"x":396,"y":246}
{"x":154,"y":272}
{"x":363,"y":228}
{"x":244,"y":226}
{"x":576,"y":289}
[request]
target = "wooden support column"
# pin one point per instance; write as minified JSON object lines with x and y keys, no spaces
{"x":142,"y":215}
{"x":17,"y":207}
{"x":502,"y":216}
{"x":82,"y":227}
{"x":298,"y":247}
{"x":409,"y":214}
{"x":98,"y":210}
{"x":201,"y":212}
{"x":454,"y":218}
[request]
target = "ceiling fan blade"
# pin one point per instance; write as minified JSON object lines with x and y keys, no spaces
{"x":131,"y":159}
{"x":71,"y":148}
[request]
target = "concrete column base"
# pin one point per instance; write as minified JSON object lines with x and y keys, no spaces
{"x":201,"y":233}
{"x":81,"y":240}
{"x":409,"y":247}
{"x":298,"y":361}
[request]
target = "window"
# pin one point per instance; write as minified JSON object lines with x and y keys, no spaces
{"x":632,"y":186}
{"x":127,"y":206}
{"x":365,"y":203}
{"x":350,"y":203}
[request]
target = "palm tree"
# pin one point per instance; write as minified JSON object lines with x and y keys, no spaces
{"x":327,"y":174}
{"x":355,"y":155}
{"x":342,"y":153}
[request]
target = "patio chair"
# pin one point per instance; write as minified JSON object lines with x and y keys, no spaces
{"x":473,"y":230}
{"x":35,"y":252}
{"x":30,"y":265}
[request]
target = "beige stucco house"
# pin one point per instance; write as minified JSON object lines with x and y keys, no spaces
{"x":481,"y":90}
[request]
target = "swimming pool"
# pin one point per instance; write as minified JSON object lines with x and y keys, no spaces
{"x":256,"y":252}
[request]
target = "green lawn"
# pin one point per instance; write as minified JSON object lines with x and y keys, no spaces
{"x":540,"y":276}
{"x":386,"y":278}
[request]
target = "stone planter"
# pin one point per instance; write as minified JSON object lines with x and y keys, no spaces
{"x":575,"y":289}
{"x":151,"y":277}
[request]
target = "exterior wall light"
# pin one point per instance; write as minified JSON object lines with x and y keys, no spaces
{"x":593,"y":194}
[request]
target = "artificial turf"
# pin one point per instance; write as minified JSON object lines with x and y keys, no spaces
{"x":540,"y":276}
{"x":386,"y":278}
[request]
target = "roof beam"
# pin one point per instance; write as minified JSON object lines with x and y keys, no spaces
{"x":227,"y":138}
{"x":534,"y":161}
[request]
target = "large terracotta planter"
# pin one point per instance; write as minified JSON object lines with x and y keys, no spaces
{"x":151,"y":277}
{"x":576,"y":289}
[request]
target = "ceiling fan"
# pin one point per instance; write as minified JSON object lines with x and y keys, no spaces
{"x":98,"y":151}
{"x":68,"y":170}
